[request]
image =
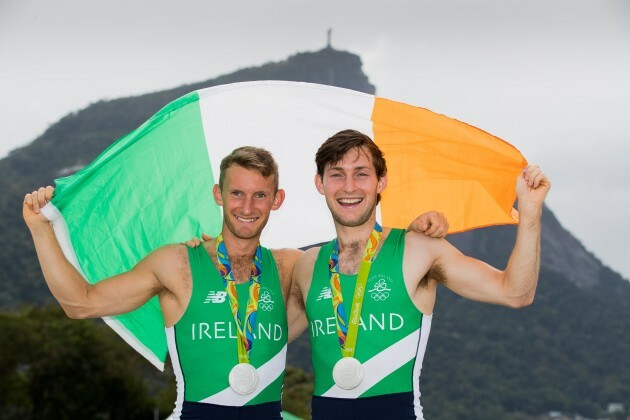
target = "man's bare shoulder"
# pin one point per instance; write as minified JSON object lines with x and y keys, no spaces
{"x":285,"y":262}
{"x":424,"y":252}
{"x":286,"y":254}
{"x":427,"y":258}
{"x":293,"y":255}
{"x":169,"y":254}
{"x":419,"y":242}
{"x":310,"y":255}
{"x":171,"y":266}
{"x":417,"y":237}
{"x":304,"y":266}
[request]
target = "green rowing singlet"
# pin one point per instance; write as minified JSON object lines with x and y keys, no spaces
{"x":392,"y":332}
{"x":203,"y":346}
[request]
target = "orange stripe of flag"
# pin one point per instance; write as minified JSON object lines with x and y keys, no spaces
{"x":438,"y":163}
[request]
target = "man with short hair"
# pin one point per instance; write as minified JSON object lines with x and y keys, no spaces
{"x":214,"y":379}
{"x":223,"y":303}
{"x":369,"y":294}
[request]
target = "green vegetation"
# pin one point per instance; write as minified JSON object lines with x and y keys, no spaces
{"x":52,"y":367}
{"x":297,"y":392}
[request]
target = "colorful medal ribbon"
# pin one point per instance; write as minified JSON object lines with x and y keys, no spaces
{"x":245,"y":340}
{"x":348,"y":331}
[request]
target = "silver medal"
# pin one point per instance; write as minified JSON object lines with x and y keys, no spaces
{"x":348,"y":373}
{"x":243,"y":378}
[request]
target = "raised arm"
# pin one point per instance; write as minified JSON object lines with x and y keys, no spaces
{"x":516,"y":285}
{"x":78,"y":298}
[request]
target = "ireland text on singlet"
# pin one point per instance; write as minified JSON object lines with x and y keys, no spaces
{"x":389,"y":328}
{"x":204,"y":339}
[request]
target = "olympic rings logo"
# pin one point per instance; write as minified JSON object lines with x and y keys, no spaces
{"x":266,"y":306}
{"x":380,"y":296}
{"x":265,"y":303}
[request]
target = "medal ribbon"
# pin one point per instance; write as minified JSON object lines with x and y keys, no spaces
{"x":347,"y":330}
{"x":245,"y":340}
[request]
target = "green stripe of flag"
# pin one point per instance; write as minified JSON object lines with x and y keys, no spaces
{"x":111,"y":206}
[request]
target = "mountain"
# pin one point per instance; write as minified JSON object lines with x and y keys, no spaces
{"x":79,"y":137}
{"x":567,"y":352}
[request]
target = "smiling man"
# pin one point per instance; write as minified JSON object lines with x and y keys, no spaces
{"x":215,"y":299}
{"x":369,"y":294}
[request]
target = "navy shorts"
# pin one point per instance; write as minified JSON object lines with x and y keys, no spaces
{"x":392,"y":406}
{"x":199,"y":411}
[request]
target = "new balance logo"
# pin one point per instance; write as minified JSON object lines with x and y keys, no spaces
{"x":326,"y":293}
{"x":215,"y":297}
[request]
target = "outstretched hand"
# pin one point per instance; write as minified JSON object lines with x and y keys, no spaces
{"x":431,"y":223}
{"x":33,"y":203}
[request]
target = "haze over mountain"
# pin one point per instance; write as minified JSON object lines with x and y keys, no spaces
{"x":567,"y":352}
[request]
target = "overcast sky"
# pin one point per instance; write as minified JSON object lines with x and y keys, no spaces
{"x":549,"y":76}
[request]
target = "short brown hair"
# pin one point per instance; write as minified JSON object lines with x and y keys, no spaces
{"x":336,"y":147}
{"x":250,"y":157}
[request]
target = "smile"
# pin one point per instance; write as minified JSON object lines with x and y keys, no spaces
{"x":246,"y":220}
{"x":349,"y":201}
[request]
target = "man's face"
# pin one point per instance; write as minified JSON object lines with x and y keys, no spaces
{"x":247,"y":198}
{"x":350,"y":188}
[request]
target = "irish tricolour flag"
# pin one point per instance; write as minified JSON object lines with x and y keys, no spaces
{"x":154,"y":185}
